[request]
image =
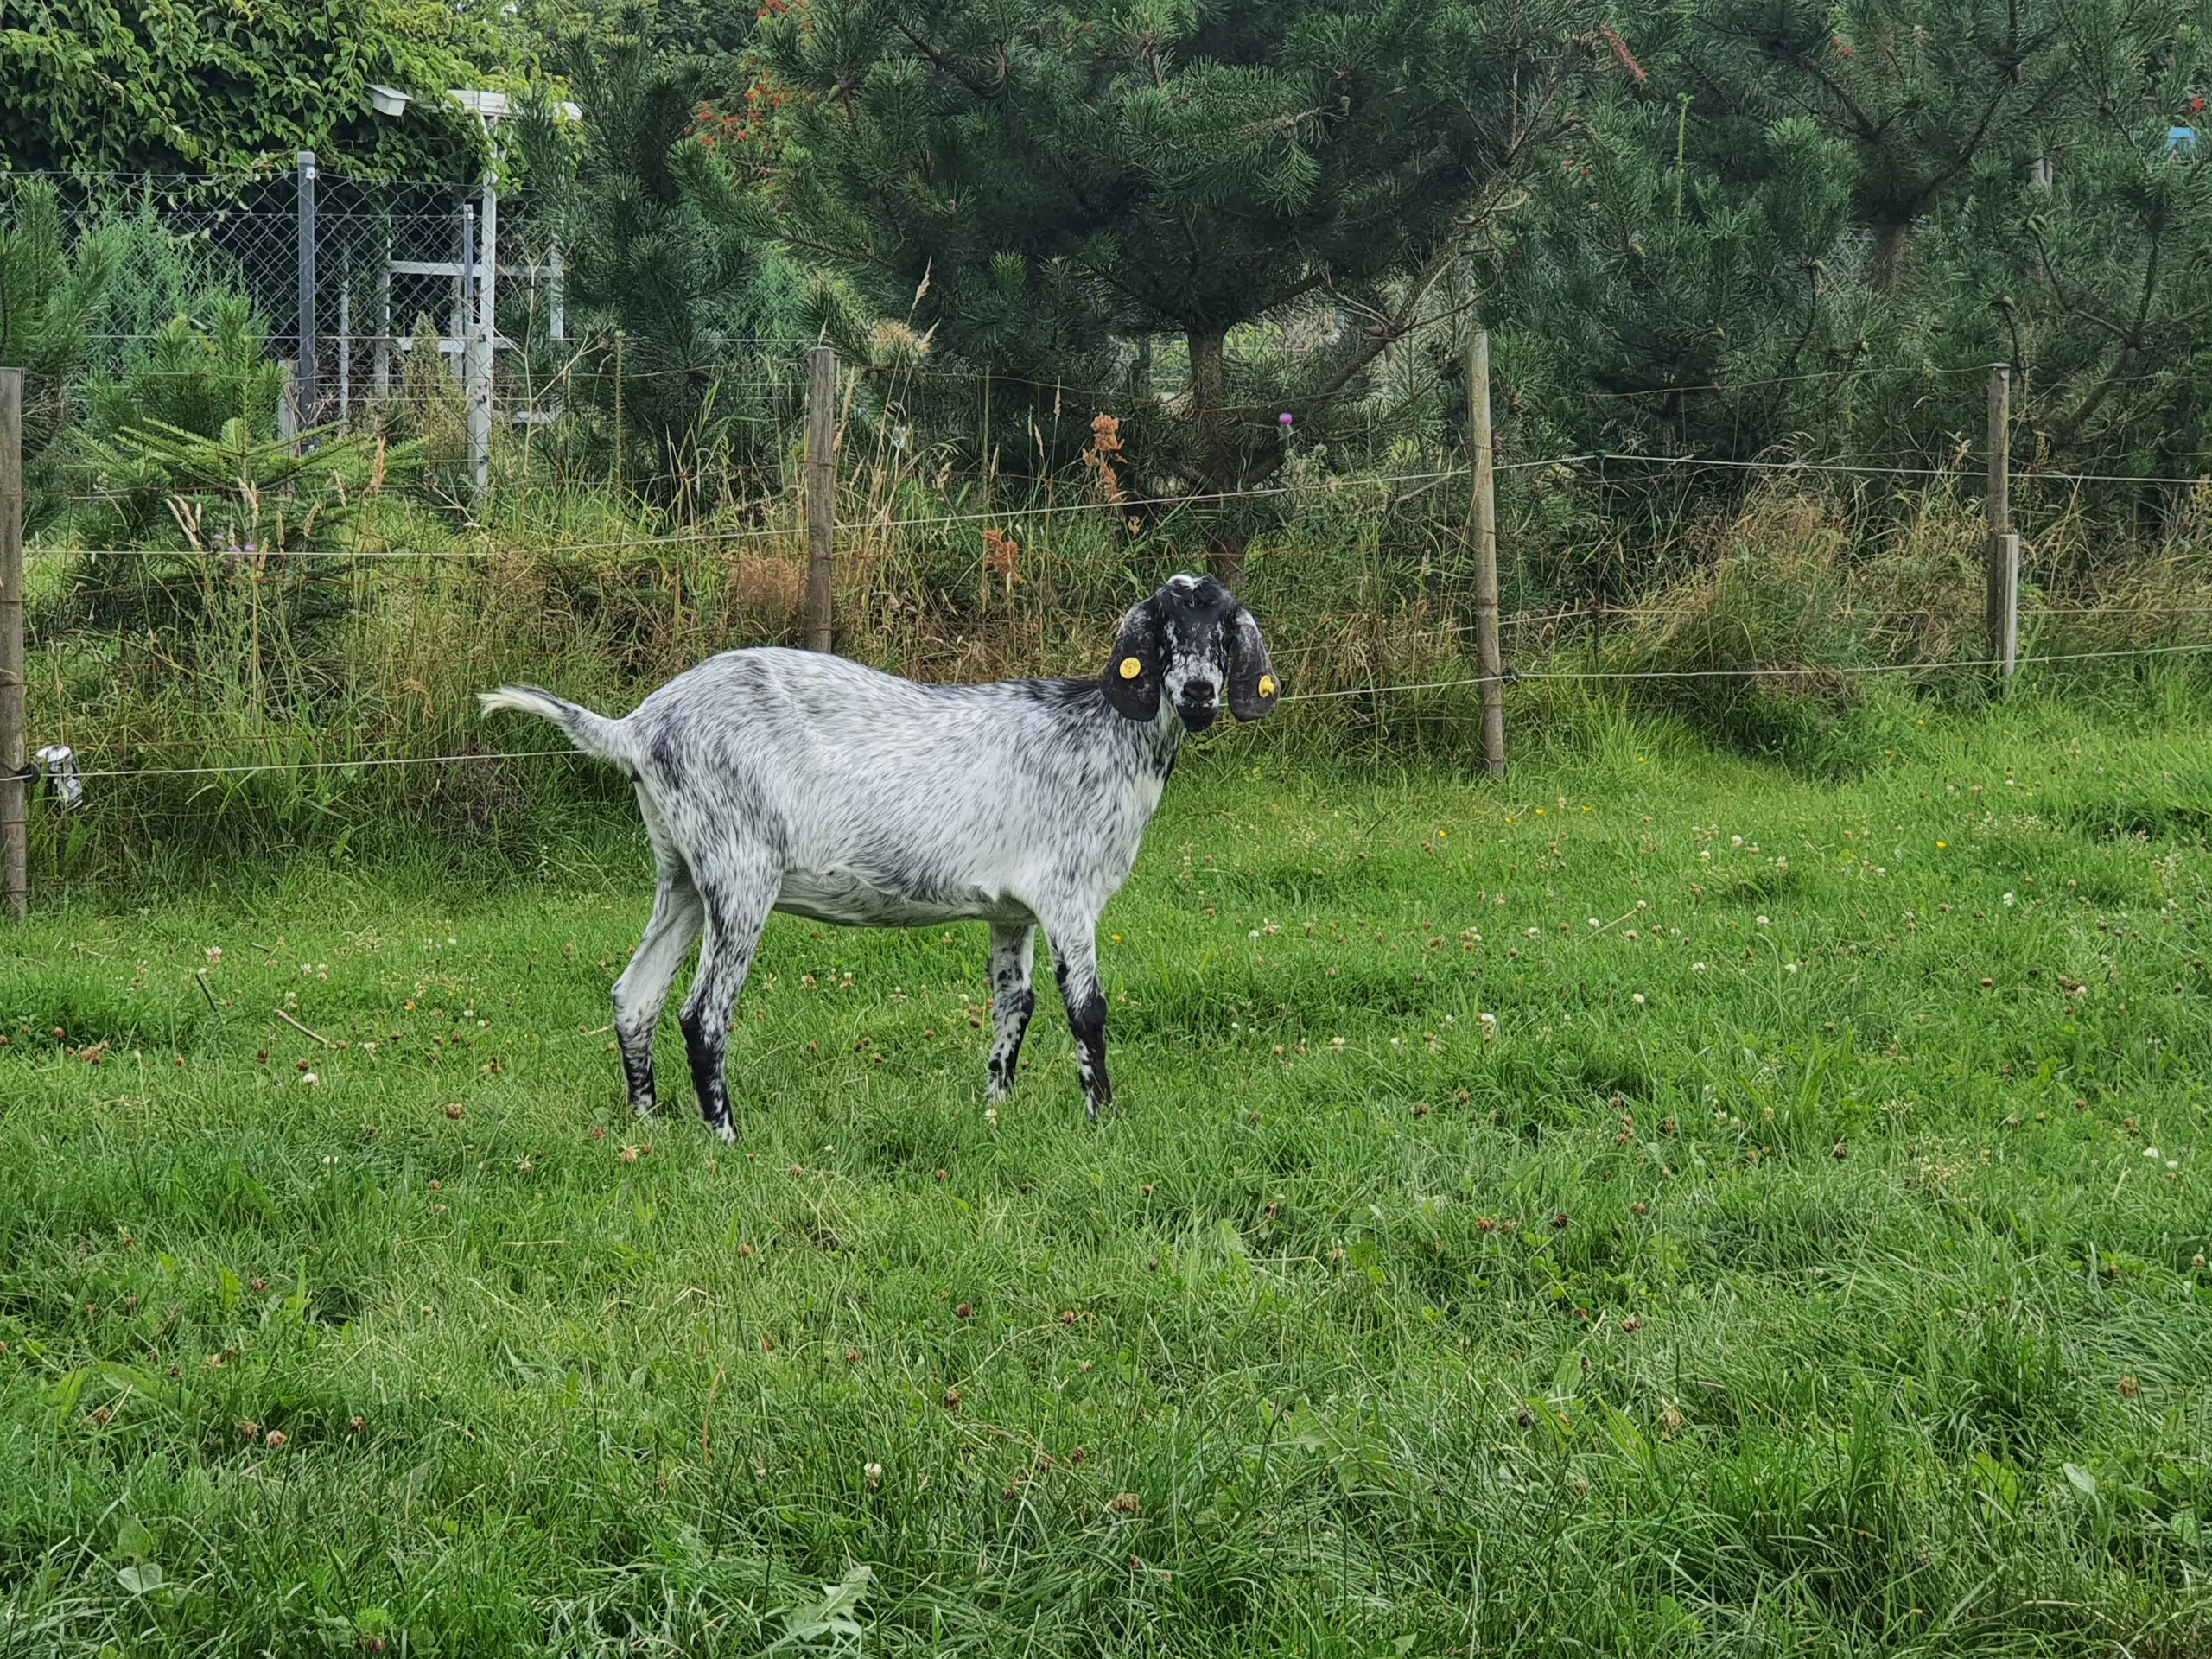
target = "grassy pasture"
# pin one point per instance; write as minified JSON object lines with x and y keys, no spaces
{"x":1806,"y":1258}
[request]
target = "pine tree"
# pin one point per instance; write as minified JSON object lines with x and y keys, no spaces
{"x":654,"y":250}
{"x":1929,"y":95}
{"x":1647,"y":284}
{"x":1049,"y":189}
{"x":1785,"y":230}
{"x":2103,"y":256}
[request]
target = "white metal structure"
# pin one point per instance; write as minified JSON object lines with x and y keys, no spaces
{"x":475,"y":274}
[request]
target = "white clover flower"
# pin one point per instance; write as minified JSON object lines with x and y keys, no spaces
{"x":1636,"y":997}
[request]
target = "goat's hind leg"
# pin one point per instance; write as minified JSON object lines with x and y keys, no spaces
{"x":1013,"y":1001}
{"x":738,"y":898}
{"x":643,"y":987}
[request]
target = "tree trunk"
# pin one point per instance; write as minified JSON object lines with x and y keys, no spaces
{"x":1888,"y":255}
{"x":1217,"y":452}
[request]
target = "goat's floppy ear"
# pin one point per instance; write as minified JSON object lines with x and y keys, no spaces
{"x":1133,"y":671}
{"x":1252,"y":687}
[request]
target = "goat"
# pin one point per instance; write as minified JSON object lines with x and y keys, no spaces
{"x":771,"y":778}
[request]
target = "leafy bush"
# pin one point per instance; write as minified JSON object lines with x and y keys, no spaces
{"x":145,"y":87}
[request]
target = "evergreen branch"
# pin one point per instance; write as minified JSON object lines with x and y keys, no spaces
{"x":1812,"y":317}
{"x":1391,"y":328}
{"x":945,"y":64}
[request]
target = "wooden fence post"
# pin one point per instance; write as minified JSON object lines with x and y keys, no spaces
{"x":821,"y":488}
{"x":618,"y":339}
{"x":2001,"y":559}
{"x":2008,"y":643}
{"x":1485,"y":510}
{"x":14,"y":785}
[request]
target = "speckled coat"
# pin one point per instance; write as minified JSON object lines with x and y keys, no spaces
{"x":779,"y":779}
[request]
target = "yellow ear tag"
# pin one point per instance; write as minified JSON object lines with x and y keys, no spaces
{"x":1131,"y":668}
{"x":1267,"y":685}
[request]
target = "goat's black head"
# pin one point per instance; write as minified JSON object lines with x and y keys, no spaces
{"x":1192,"y":641}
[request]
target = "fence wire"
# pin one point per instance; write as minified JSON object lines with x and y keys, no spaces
{"x":263,"y":611}
{"x":1981,"y":666}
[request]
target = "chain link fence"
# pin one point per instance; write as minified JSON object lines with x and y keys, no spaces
{"x":346,"y":275}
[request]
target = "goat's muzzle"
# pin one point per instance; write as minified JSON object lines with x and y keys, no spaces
{"x":1198,"y":706}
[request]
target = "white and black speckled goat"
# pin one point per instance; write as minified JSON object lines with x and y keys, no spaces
{"x":777,"y":779}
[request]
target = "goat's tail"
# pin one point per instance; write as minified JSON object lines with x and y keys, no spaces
{"x":593,"y":734}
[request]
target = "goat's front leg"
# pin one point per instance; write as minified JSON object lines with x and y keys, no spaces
{"x":1013,"y":1001}
{"x":737,"y":909}
{"x":1075,"y":962}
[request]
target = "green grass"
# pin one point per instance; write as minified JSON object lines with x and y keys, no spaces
{"x":1788,"y":1269}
